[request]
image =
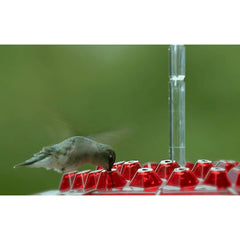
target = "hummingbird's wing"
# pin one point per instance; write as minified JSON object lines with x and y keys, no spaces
{"x":63,"y":129}
{"x":110,"y":137}
{"x":58,"y":127}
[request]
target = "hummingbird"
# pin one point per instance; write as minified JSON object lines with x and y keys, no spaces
{"x":71,"y":154}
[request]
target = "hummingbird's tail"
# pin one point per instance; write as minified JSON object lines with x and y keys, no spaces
{"x":22,"y":164}
{"x":31,"y":161}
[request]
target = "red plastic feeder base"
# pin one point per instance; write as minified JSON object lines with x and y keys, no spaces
{"x":80,"y":180}
{"x":118,"y":166}
{"x":227,"y":164}
{"x":182,"y":177}
{"x":128,"y":178}
{"x":92,"y":180}
{"x":67,"y":181}
{"x":165,"y":168}
{"x":130,"y":168}
{"x":145,"y":178}
{"x":189,"y":165}
{"x":201,"y":168}
{"x":234,"y":176}
{"x":217,"y":177}
{"x":109,"y":180}
{"x":152,"y":165}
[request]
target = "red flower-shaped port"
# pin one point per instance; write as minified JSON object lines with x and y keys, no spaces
{"x":182,"y":177}
{"x":99,"y":168}
{"x":67,"y":181}
{"x":92,"y":180}
{"x":80,"y":180}
{"x":201,"y":168}
{"x":152,"y":165}
{"x":234,"y":176}
{"x":165,"y":168}
{"x":189,"y":165}
{"x":118,"y":166}
{"x":217,"y":177}
{"x":109,"y":180}
{"x":130,"y":168}
{"x":145,"y":178}
{"x":227,"y":164}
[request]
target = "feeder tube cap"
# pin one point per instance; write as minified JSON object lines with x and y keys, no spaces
{"x":176,"y":62}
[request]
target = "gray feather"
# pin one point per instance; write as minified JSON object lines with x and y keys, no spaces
{"x":71,"y":154}
{"x":37,"y":157}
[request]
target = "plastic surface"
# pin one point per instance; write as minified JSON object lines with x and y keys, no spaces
{"x":145,"y":178}
{"x":174,"y":180}
{"x":92,"y":180}
{"x":80,"y":180}
{"x":152,"y":165}
{"x":118,"y":166}
{"x":99,"y":168}
{"x":227,"y":164}
{"x":176,"y":62}
{"x":217,"y":177}
{"x":183,"y":177}
{"x":130,"y":168}
{"x":67,"y":181}
{"x":201,"y":168}
{"x":109,"y":180}
{"x":165,"y":168}
{"x":234,"y":176}
{"x":177,"y":104}
{"x":189,"y":165}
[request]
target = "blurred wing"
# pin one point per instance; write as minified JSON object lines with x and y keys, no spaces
{"x":110,"y":137}
{"x":58,"y":128}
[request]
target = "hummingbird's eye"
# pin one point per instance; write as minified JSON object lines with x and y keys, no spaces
{"x":111,"y":159}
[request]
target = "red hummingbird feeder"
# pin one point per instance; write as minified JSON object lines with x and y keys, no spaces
{"x":173,"y":176}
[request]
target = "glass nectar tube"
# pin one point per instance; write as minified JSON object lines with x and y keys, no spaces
{"x":177,"y":104}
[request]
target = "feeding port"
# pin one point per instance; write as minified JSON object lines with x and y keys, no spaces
{"x":167,"y":179}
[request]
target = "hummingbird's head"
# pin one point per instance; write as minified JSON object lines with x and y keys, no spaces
{"x":111,"y":157}
{"x":106,"y":156}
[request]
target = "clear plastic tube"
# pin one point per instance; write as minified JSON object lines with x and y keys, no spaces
{"x":177,"y":104}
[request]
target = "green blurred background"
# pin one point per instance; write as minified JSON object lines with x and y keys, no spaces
{"x":49,"y":93}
